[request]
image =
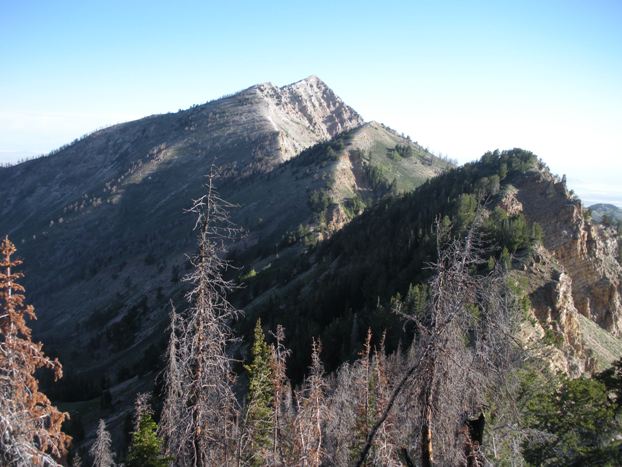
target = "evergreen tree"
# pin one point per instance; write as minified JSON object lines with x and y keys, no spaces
{"x":259,"y":417}
{"x":537,"y":235}
{"x":146,"y":447}
{"x":30,"y":426}
{"x":416,"y":299}
{"x":506,"y":259}
{"x":576,"y":424}
{"x":612,"y":379}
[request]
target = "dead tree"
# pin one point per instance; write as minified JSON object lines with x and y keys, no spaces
{"x":462,"y":349}
{"x":173,"y":408}
{"x":142,"y":407}
{"x":385,"y":450}
{"x":283,"y":422}
{"x":30,"y":426}
{"x":358,"y":393}
{"x":76,"y":461}
{"x":101,"y":450}
{"x":204,"y":419}
{"x":311,"y":413}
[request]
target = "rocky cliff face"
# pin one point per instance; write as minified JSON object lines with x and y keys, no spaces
{"x":586,"y":251}
{"x":575,"y":273}
{"x":555,"y":320}
{"x":303,"y":113}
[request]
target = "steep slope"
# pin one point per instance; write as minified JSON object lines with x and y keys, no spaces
{"x":251,"y":131}
{"x":101,"y":223}
{"x":324,"y":187}
{"x":122,"y":186}
{"x":562,"y":269}
{"x":586,"y":251}
{"x":377,"y":156}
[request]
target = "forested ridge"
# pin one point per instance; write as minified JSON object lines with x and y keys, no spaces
{"x":383,"y":255}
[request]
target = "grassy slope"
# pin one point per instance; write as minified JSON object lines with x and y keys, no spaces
{"x":605,"y":347}
{"x":272,"y":204}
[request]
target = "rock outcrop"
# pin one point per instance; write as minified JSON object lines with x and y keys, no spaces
{"x":556,"y":323}
{"x":304,"y":113}
{"x":586,"y":251}
{"x":574,"y":274}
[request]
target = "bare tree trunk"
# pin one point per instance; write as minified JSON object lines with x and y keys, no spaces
{"x":201,"y":408}
{"x":427,"y":454}
{"x":280,"y":383}
{"x":467,"y":324}
{"x":310,"y":416}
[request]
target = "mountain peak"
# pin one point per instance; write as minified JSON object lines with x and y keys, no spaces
{"x":311,"y":80}
{"x":307,"y":110}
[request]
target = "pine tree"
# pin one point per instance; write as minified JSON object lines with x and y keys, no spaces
{"x":145,"y":448}
{"x":101,"y":450}
{"x":260,"y":414}
{"x":30,"y":426}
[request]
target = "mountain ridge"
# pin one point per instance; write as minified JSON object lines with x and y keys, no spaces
{"x":339,"y":217}
{"x":108,"y":209}
{"x":126,"y":153}
{"x":351,"y":283}
{"x":609,"y":212}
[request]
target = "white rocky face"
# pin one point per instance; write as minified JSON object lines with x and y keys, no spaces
{"x":304,"y":113}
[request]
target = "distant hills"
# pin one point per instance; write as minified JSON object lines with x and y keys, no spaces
{"x":603,"y":210}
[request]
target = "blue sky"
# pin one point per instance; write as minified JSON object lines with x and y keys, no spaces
{"x":459,"y":77}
